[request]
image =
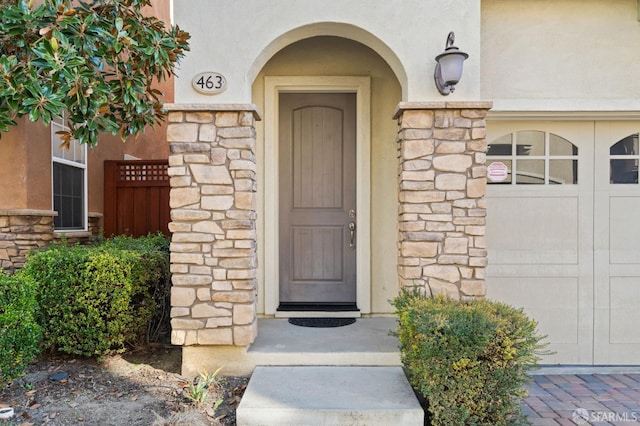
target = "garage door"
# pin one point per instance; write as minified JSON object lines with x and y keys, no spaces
{"x":563,"y":234}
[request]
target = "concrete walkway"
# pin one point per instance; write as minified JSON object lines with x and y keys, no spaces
{"x":584,"y":399}
{"x":557,"y":396}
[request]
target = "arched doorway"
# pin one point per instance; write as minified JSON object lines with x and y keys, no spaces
{"x":322,"y":66}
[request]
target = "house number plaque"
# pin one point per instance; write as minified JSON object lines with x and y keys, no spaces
{"x":209,"y":83}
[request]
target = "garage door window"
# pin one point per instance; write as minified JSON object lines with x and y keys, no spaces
{"x":624,"y":160}
{"x":534,"y":158}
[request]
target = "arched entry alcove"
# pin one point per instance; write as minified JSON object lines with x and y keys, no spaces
{"x":346,"y":32}
{"x":333,"y":64}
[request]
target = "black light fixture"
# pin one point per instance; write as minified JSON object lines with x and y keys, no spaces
{"x":449,"y":66}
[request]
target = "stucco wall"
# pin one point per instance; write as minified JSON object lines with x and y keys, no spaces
{"x":337,"y":56}
{"x":25,"y":164}
{"x":236,"y":38}
{"x":25,"y":159}
{"x":23,"y":153}
{"x":13,"y":173}
{"x":560,"y":54}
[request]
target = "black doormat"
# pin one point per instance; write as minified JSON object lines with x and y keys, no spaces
{"x":321,"y":322}
{"x":326,"y":307}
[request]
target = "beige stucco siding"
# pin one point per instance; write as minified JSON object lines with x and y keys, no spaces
{"x":236,"y":38}
{"x":560,"y":54}
{"x":25,"y":172}
{"x":336,"y":56}
{"x":26,"y":164}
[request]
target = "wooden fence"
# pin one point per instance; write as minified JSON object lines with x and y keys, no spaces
{"x":136,"y":197}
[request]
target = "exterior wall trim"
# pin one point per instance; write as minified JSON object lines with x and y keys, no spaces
{"x":27,"y":212}
{"x":563,"y":115}
{"x":408,"y":106}
{"x":214,"y":108}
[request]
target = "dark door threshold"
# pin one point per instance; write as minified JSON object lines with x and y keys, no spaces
{"x":323,"y":307}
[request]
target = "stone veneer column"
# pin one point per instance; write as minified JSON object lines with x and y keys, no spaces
{"x":212,"y":168}
{"x":442,"y":212}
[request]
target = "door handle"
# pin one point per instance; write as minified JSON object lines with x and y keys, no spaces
{"x":352,"y":235}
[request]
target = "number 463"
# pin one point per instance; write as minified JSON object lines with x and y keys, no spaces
{"x":209,"y":83}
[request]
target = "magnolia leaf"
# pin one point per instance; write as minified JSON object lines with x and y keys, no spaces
{"x":34,"y":114}
{"x":96,"y":60}
{"x":66,"y":139}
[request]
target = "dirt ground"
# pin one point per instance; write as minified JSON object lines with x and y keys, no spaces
{"x":141,"y":387}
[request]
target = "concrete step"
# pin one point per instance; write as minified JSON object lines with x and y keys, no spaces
{"x":366,"y":342}
{"x":329,"y":395}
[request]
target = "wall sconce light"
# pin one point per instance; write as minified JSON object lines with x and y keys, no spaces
{"x":449,"y":66}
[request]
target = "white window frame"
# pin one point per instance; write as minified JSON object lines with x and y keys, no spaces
{"x":547,"y":157}
{"x":630,"y":156}
{"x":55,"y":126}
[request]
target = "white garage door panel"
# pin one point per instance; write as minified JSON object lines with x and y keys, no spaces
{"x":617,"y":255}
{"x":624,"y":326}
{"x":570,"y":254}
{"x":533,"y":230}
{"x":540,"y":244}
{"x":624,"y":237}
{"x":551,"y":301}
{"x":517,"y":271}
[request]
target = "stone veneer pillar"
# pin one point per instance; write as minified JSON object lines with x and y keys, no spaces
{"x":212,"y":168}
{"x":442,"y":177}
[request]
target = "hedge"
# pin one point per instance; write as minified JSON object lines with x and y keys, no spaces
{"x":468,"y":359}
{"x":19,"y":332}
{"x":95,"y":300}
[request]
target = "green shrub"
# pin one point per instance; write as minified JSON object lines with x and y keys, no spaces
{"x":468,"y":359}
{"x":19,"y":332}
{"x":155,"y":273}
{"x":96,"y":299}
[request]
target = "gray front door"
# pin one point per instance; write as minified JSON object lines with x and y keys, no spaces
{"x":318,"y":235}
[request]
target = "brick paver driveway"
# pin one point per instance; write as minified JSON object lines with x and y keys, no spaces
{"x":583,"y":399}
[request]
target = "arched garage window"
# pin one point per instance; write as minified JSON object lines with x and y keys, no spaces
{"x":623,"y":160}
{"x":533,"y":157}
